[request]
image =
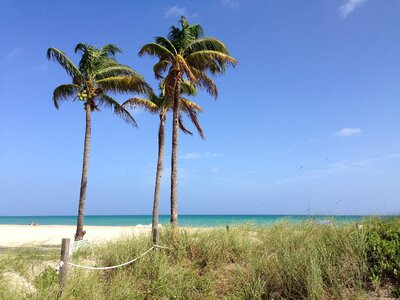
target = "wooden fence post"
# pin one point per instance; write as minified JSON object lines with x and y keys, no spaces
{"x":64,"y":263}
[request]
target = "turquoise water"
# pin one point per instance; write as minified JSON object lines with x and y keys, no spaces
{"x":184,"y":220}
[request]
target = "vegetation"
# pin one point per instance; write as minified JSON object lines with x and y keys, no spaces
{"x":185,"y":54}
{"x":97,"y":75}
{"x":383,"y":252}
{"x":160,"y":104}
{"x":285,"y":261}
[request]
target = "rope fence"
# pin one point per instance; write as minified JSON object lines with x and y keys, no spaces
{"x":120,"y":265}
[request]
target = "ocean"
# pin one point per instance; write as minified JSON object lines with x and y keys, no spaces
{"x":184,"y":220}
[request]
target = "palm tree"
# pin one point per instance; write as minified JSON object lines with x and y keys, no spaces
{"x":186,"y":54}
{"x":97,"y":74}
{"x":159,"y":104}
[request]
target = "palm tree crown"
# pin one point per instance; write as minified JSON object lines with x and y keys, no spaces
{"x":96,"y":75}
{"x":186,"y":51}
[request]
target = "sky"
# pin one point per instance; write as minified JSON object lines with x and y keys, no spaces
{"x":308,"y":122}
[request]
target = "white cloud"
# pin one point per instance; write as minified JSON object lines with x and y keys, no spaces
{"x":176,"y":11}
{"x":349,"y":6}
{"x":348,"y":131}
{"x":196,"y":155}
{"x":231,"y":3}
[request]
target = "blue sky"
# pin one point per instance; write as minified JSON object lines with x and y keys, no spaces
{"x":309,"y":120}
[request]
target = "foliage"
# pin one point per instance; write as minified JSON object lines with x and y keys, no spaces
{"x":383,"y":250}
{"x":285,"y":261}
{"x":161,"y":104}
{"x":96,"y":77}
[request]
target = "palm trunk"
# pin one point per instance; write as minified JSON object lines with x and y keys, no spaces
{"x":174,"y":156}
{"x":156,"y":202}
{"x":82,"y":195}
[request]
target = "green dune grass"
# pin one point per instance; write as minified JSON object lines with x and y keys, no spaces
{"x":285,"y":261}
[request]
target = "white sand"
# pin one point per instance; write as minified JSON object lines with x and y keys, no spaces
{"x":25,"y":235}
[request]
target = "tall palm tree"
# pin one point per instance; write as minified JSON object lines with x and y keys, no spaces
{"x":96,"y":75}
{"x":186,"y":54}
{"x":159,"y":104}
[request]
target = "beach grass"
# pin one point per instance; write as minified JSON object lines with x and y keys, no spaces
{"x":284,"y":261}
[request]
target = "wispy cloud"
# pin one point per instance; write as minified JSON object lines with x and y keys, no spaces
{"x":14,"y":53}
{"x":337,"y":167}
{"x":196,"y":155}
{"x":349,"y":6}
{"x":176,"y":11}
{"x":231,"y":3}
{"x":348,"y":131}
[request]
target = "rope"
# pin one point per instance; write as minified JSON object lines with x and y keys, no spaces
{"x":120,"y":265}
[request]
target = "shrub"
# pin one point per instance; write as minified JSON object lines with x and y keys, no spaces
{"x":383,"y":250}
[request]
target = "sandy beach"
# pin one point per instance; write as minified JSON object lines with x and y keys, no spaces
{"x":25,"y":235}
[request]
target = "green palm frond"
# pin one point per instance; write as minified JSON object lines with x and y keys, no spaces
{"x":113,"y":71}
{"x":188,"y":88}
{"x":166,"y":43}
{"x":64,"y":61}
{"x":184,"y":36}
{"x":65,"y":92}
{"x":206,"y":60}
{"x":109,"y":50}
{"x":124,"y":84}
{"x":208,"y":43}
{"x":156,"y":50}
{"x":119,"y":110}
{"x":141,"y":103}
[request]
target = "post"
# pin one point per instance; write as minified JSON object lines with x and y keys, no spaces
{"x":64,"y":262}
{"x":227,"y":228}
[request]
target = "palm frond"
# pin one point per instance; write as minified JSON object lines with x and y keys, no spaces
{"x":64,"y":92}
{"x":115,"y":70}
{"x":138,"y":102}
{"x":110,"y":50}
{"x":182,"y":126}
{"x":156,"y":50}
{"x":160,"y":68}
{"x":192,"y":114}
{"x":208,"y":43}
{"x":208,"y":60}
{"x":119,"y":110}
{"x":205,"y":82}
{"x":188,"y":88}
{"x":81,"y":47}
{"x":124,"y":84}
{"x":187,"y":103}
{"x":166,"y":43}
{"x":64,"y":61}
{"x":186,"y":68}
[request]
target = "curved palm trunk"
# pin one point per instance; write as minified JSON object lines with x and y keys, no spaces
{"x":82,"y":195}
{"x":174,"y":156}
{"x":161,"y":140}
